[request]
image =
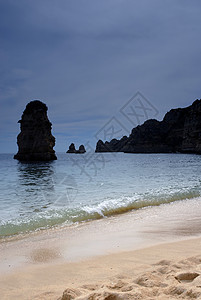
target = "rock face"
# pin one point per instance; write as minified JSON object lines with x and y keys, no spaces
{"x":73,"y":150}
{"x":179,"y":131}
{"x":113,"y":146}
{"x":35,"y":141}
{"x":81,"y":149}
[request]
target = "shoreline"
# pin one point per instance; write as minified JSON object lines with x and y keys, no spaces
{"x":125,"y":232}
{"x":62,"y":227}
{"x":89,"y":252}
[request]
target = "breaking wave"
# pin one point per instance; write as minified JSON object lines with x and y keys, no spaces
{"x":109,"y":207}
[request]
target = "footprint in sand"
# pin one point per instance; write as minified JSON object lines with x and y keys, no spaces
{"x":150,"y":280}
{"x":117,"y":285}
{"x":90,"y":287}
{"x":43,"y":255}
{"x":186,"y":277}
{"x":163,"y":262}
{"x":70,"y":294}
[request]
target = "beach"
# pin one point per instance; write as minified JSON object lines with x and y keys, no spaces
{"x":152,"y":253}
{"x":100,"y":150}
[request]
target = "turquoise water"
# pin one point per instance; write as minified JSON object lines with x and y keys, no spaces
{"x":78,"y":188}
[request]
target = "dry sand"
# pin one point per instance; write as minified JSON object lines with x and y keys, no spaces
{"x":96,"y":261}
{"x":168,"y":271}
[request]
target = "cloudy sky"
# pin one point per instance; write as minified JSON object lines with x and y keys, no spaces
{"x":86,"y":58}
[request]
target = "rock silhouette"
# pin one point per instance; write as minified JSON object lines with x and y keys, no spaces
{"x":73,"y":150}
{"x":35,"y":141}
{"x":179,"y":131}
{"x":81,"y":149}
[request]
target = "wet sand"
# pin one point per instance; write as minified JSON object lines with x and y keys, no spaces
{"x":139,"y":255}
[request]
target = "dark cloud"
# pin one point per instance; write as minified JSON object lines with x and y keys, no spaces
{"x":86,"y":58}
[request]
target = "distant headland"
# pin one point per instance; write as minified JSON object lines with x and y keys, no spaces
{"x":179,"y":131}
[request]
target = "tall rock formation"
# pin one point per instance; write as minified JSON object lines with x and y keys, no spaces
{"x":35,"y":141}
{"x":179,"y":131}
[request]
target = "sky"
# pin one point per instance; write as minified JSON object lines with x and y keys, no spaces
{"x":101,"y":67}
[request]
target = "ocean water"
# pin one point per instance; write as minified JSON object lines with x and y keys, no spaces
{"x":78,"y":188}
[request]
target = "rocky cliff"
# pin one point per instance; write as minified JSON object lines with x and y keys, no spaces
{"x":179,"y":131}
{"x":35,"y":141}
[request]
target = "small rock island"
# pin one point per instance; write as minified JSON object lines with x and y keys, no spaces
{"x":179,"y":131}
{"x":73,"y":150}
{"x":35,"y":141}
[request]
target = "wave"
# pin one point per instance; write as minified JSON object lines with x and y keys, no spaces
{"x":125,"y":204}
{"x":109,"y":207}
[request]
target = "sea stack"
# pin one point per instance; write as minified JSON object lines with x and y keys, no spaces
{"x":35,"y":141}
{"x":81,"y":149}
{"x":72,"y":149}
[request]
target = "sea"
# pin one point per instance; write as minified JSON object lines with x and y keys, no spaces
{"x":83,"y":187}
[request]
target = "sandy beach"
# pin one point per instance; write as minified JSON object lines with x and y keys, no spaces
{"x":153,"y":253}
{"x":100,"y":150}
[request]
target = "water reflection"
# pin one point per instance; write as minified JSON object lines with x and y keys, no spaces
{"x":36,"y":186}
{"x":35,"y":173}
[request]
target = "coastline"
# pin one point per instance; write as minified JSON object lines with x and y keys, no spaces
{"x":43,"y":265}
